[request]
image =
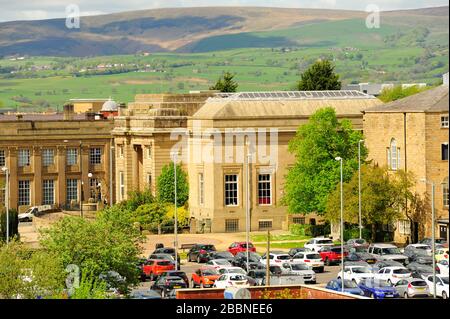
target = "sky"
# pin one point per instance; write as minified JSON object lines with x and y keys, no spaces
{"x":47,"y":9}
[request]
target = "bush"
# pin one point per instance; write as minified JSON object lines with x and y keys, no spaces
{"x":310,"y":230}
{"x":13,"y":224}
{"x":353,"y":232}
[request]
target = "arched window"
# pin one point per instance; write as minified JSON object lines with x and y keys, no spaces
{"x":445,"y":192}
{"x":393,"y":154}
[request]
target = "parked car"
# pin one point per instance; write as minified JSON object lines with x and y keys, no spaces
{"x":253,"y":266}
{"x":412,"y":248}
{"x":166,"y":250}
{"x":200,"y":252}
{"x":356,"y":273}
{"x":412,"y":287}
{"x":332,"y":254}
{"x":316,"y":243}
{"x":276,"y":257}
{"x":387,"y":252}
{"x":144,"y":294}
{"x":361,"y":256}
{"x":428,"y":241}
{"x":294,"y":251}
{"x":349,"y":287}
{"x":385,"y":263}
{"x":441,"y":253}
{"x":378,"y":289}
{"x":155,"y":267}
{"x":393,"y":274}
{"x":357,"y":242}
{"x":176,"y":273}
{"x":231,"y":270}
{"x":168,"y":283}
{"x":28,"y":215}
{"x":258,"y":275}
{"x":313,"y":259}
{"x":217,"y":263}
{"x":221,"y":255}
{"x":300,"y":269}
{"x":165,"y":257}
{"x":238,"y":247}
{"x":419,"y":256}
{"x":241,"y":258}
{"x":419,"y":271}
{"x":204,"y":277}
{"x":441,"y":285}
{"x":231,"y":280}
{"x":443,"y":267}
{"x":115,"y":283}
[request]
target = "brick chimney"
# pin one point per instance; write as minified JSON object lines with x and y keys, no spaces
{"x":68,"y":112}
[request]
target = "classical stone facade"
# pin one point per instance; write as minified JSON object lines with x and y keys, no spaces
{"x":412,"y":134}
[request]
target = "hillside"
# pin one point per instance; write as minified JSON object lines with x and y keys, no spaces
{"x":209,"y":29}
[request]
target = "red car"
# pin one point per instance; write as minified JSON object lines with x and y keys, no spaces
{"x":152,"y":268}
{"x":331,"y":254}
{"x":204,"y":277}
{"x":238,"y":247}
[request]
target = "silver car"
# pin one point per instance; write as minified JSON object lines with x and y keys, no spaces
{"x":412,"y":287}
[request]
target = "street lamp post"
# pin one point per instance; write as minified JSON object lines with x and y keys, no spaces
{"x":111,"y":149}
{"x":359,"y":187}
{"x":175,"y":212}
{"x":342,"y":223}
{"x":6,"y":170}
{"x":433,"y":233}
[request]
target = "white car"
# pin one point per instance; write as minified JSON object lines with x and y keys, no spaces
{"x":231,"y":280}
{"x":393,"y":274}
{"x":299,"y":269}
{"x":316,"y":243}
{"x":443,"y":267}
{"x":231,"y":270}
{"x":312,"y":259}
{"x":356,"y":273}
{"x":275,"y":258}
{"x":441,"y":286}
{"x":415,"y":247}
{"x":219,"y":263}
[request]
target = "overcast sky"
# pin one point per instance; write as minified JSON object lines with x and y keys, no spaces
{"x":47,"y":9}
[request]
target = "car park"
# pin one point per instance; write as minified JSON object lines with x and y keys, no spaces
{"x":385,"y":263}
{"x":413,"y":248}
{"x":275,"y":258}
{"x":313,"y":259}
{"x":231,"y":280}
{"x":316,"y":243}
{"x":393,"y":274}
{"x":154,"y":267}
{"x":168,"y":283}
{"x":387,"y":252}
{"x":349,"y":287}
{"x":204,"y":277}
{"x":221,"y":255}
{"x":240,"y":259}
{"x":412,"y":287}
{"x":420,"y":271}
{"x":299,"y":269}
{"x":176,"y":273}
{"x":200,"y":252}
{"x":361,"y":256}
{"x":238,"y":247}
{"x":217,"y":263}
{"x":357,"y":242}
{"x":231,"y":270}
{"x":166,"y":250}
{"x":258,"y":275}
{"x":441,"y":286}
{"x":356,"y":273}
{"x":332,"y":254}
{"x":378,"y":289}
{"x":165,"y":257}
{"x":294,"y":251}
{"x":443,"y":267}
{"x":420,"y":257}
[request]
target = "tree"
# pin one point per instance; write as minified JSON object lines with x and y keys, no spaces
{"x":150,"y":215}
{"x":225,"y":83}
{"x":11,"y":283}
{"x":319,"y":77}
{"x":13,"y":223}
{"x":381,"y":199}
{"x":316,"y":173}
{"x":166,"y":188}
{"x":398,"y":92}
{"x":136,"y":199}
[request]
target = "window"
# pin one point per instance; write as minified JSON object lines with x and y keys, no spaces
{"x":120,"y":150}
{"x":444,"y":152}
{"x":47,"y":157}
{"x":393,"y":156}
{"x":265,"y":224}
{"x":95,"y":155}
{"x":48,"y":192}
{"x":149,"y":180}
{"x":149,"y":152}
{"x":121,"y":185}
{"x":231,"y":225}
{"x":72,"y":190}
{"x":231,"y":190}
{"x":444,"y":121}
{"x":264,"y":189}
{"x":201,"y":189}
{"x":445,"y":192}
{"x":24,"y":157}
{"x":2,"y":158}
{"x":72,"y":156}
{"x":24,"y":193}
{"x":94,"y":188}
{"x":404,"y":227}
{"x":299,"y":220}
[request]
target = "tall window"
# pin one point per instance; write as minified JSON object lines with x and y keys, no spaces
{"x":231,"y":225}
{"x":264,"y":224}
{"x":264,"y":189}
{"x":201,"y":189}
{"x":120,"y":150}
{"x":48,"y":192}
{"x":93,"y":188}
{"x":404,"y":227}
{"x":444,"y":151}
{"x":149,"y":152}
{"x":121,"y":186}
{"x":95,"y":155}
{"x":149,"y":180}
{"x":231,"y":190}
{"x":24,"y":193}
{"x":444,"y":121}
{"x":2,"y":158}
{"x":72,"y":156}
{"x":393,"y":155}
{"x":24,"y":157}
{"x":47,"y":157}
{"x":445,"y":192}
{"x":72,"y":189}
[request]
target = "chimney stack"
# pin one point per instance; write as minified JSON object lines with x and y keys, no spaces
{"x":68,"y":112}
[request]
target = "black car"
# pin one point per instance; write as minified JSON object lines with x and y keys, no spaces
{"x":385,"y":263}
{"x":221,"y":255}
{"x":258,"y":275}
{"x":361,"y":256}
{"x":168,"y":283}
{"x":419,"y":256}
{"x":240,"y":259}
{"x":166,"y":250}
{"x":420,"y":271}
{"x":294,"y":251}
{"x":176,"y":273}
{"x":200,"y":252}
{"x":429,"y":241}
{"x":165,"y":257}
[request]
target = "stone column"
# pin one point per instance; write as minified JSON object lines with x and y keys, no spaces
{"x":61,"y":181}
{"x":36,"y":189}
{"x":84,"y":179}
{"x":11,"y":163}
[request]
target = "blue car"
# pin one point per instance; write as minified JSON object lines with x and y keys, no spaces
{"x":378,"y":289}
{"x":349,"y":287}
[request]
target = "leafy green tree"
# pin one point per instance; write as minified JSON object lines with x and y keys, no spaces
{"x":316,"y":173}
{"x":150,"y":215}
{"x":13,"y":224}
{"x":166,"y":188}
{"x":90,"y":288}
{"x":397,"y":92}
{"x":137,"y":198}
{"x":225,"y":83}
{"x":319,"y":77}
{"x":11,"y":272}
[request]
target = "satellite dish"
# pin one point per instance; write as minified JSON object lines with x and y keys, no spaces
{"x":237,"y":293}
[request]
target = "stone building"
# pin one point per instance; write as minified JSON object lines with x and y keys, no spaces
{"x":412,"y":134}
{"x":42,"y":153}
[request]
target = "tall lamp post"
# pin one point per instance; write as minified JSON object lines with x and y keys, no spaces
{"x":342,"y":223}
{"x":175,"y":212}
{"x":6,"y":170}
{"x":433,"y":233}
{"x":111,"y":150}
{"x":359,"y":188}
